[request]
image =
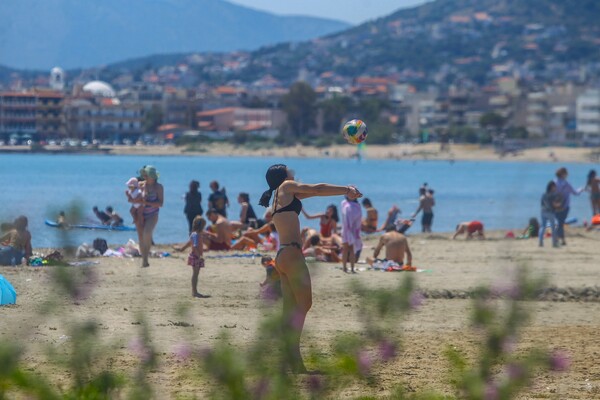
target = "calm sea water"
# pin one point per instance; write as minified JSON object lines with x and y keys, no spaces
{"x":502,"y":195}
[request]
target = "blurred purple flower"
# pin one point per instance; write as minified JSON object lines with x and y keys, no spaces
{"x":416,"y":300}
{"x":364,"y":362}
{"x":510,"y":290}
{"x":491,"y":391}
{"x":83,"y":288}
{"x":269,"y":294}
{"x":297,"y":320}
{"x":559,"y":361}
{"x":315,"y":384}
{"x":387,"y":350}
{"x":183,"y":351}
{"x":515,"y":371}
{"x":139,"y":348}
{"x":261,"y":389}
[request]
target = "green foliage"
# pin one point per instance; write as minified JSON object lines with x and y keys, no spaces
{"x":334,"y":112}
{"x":300,"y":106}
{"x":492,"y":120}
{"x":380,"y":133}
{"x":152,"y":118}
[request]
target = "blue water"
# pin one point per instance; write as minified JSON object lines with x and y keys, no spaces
{"x":502,"y":195}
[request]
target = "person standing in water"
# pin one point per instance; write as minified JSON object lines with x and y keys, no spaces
{"x":290,"y":263}
{"x":426,"y":203}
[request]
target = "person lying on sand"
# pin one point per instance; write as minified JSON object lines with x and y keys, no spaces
{"x":396,"y":247}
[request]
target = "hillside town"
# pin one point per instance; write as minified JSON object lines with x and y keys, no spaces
{"x":499,"y":94}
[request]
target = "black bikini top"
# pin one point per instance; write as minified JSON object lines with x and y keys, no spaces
{"x":295,"y":205}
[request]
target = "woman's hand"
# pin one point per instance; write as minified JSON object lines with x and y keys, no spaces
{"x":353,"y":193}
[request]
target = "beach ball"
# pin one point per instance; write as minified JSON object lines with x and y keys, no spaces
{"x":355,"y":131}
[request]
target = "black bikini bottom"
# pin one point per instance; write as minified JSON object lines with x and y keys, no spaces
{"x":291,"y":244}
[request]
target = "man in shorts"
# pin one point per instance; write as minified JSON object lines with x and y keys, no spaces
{"x":396,"y":247}
{"x":469,"y":228}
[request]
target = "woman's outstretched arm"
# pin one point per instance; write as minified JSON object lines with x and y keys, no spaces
{"x":304,"y":190}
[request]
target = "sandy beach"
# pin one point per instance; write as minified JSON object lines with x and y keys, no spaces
{"x":125,"y":291}
{"x":429,"y":151}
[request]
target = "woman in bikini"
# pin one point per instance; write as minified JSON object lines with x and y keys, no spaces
{"x":152,"y":200}
{"x":295,"y":278}
{"x":328,"y":222}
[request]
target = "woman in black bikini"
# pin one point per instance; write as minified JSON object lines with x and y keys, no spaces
{"x":295,"y":279}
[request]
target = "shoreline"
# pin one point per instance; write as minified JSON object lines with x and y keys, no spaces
{"x":408,"y":152}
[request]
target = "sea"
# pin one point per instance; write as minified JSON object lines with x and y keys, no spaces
{"x":503,"y":195}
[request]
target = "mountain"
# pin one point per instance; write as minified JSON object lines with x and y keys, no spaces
{"x":40,"y":34}
{"x":449,"y":39}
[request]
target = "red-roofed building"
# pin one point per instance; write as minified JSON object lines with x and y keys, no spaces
{"x":241,"y":119}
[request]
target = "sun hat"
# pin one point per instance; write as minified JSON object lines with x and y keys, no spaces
{"x":132,"y":182}
{"x":151,"y":172}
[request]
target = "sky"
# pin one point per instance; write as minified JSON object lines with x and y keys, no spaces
{"x":352,"y":11}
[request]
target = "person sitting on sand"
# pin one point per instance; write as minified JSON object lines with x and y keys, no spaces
{"x":532,"y":229}
{"x":396,"y":247}
{"x":328,"y":220}
{"x":321,"y":251}
{"x":16,"y":243}
{"x":369,"y":224}
{"x":102,"y":216}
{"x":218,"y":236}
{"x":271,"y":286}
{"x":115,"y":219}
{"x":247,"y":214}
{"x":469,"y":228}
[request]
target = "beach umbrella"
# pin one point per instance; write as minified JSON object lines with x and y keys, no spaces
{"x":8,"y":295}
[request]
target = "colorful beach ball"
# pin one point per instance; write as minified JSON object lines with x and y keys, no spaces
{"x":355,"y":131}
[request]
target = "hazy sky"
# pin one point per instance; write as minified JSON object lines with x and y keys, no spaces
{"x":353,"y":11}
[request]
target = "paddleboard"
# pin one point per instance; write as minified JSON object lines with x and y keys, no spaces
{"x":95,"y":227}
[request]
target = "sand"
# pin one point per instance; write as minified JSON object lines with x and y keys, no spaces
{"x":430,"y":151}
{"x":124,"y":291}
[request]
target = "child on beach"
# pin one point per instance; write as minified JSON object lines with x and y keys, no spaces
{"x":134,"y":196}
{"x":271,"y":286}
{"x":195,"y":259}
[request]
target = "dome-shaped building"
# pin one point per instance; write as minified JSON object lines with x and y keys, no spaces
{"x":99,"y":88}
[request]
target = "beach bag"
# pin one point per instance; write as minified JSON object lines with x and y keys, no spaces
{"x":100,"y":245}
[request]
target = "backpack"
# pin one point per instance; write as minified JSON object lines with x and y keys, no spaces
{"x":100,"y":245}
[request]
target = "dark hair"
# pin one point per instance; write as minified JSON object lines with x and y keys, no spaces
{"x":62,"y":213}
{"x":276,"y":175}
{"x":560,"y":172}
{"x":212,"y":211}
{"x":245,"y":197}
{"x":535,"y":225}
{"x":430,"y":191}
{"x":334,"y":215}
{"x":367,"y":202}
{"x":20,"y":223}
{"x":95,"y":208}
{"x":266,"y":259}
{"x":591,"y":176}
{"x":314,"y":240}
{"x":215,"y":183}
{"x":109,"y":209}
{"x":194,"y":185}
{"x":549,"y":186}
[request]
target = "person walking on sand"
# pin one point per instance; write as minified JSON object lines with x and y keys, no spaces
{"x":351,"y":242}
{"x":193,"y":204}
{"x":195,"y":258}
{"x":549,"y":204}
{"x":564,"y":191}
{"x":290,"y":263}
{"x":153,"y":195}
{"x":593,"y":186}
{"x":469,"y":228}
{"x":426,"y":203}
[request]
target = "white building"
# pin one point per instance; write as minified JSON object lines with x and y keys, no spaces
{"x":588,"y":116}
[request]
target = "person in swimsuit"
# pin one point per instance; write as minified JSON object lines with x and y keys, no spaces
{"x":426,"y":203}
{"x":193,"y":204}
{"x":153,"y":200}
{"x":328,"y":222}
{"x":396,"y":247}
{"x":290,"y":263}
{"x":469,"y":228}
{"x":195,"y":258}
{"x":369,"y":224}
{"x":15,"y":244}
{"x":593,"y":186}
{"x":247,"y":214}
{"x":102,"y":216}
